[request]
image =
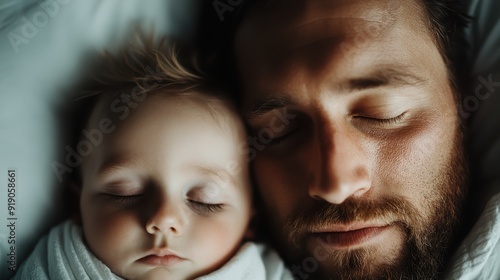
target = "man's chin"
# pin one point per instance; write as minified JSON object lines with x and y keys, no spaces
{"x":369,"y":257}
{"x":391,"y":254}
{"x":361,"y":263}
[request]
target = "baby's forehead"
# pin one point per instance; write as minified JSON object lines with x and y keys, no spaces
{"x":120,"y":107}
{"x":173,"y":116}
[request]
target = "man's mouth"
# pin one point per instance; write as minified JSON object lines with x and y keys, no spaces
{"x":343,"y":237}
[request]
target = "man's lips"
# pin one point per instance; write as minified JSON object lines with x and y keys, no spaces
{"x":341,"y":237}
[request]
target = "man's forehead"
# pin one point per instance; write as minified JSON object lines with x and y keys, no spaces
{"x":338,"y":49}
{"x":300,"y":11}
{"x":294,"y":23}
{"x":318,"y":35}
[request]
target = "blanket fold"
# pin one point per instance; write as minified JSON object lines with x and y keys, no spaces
{"x":62,"y":254}
{"x":479,"y":255}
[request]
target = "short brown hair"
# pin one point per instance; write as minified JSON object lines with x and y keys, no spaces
{"x":447,"y":21}
{"x":145,"y":65}
{"x":169,"y":65}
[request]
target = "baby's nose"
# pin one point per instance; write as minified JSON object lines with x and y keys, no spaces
{"x":168,"y":218}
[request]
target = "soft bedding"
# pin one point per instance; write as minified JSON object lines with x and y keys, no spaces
{"x":479,"y":255}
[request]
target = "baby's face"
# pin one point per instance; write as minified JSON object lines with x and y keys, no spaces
{"x":167,"y":192}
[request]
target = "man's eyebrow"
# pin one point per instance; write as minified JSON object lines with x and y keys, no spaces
{"x":385,"y":75}
{"x":114,"y":163}
{"x":266,"y":105}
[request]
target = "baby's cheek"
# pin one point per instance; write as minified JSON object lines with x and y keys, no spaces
{"x":111,"y":235}
{"x":216,"y":241}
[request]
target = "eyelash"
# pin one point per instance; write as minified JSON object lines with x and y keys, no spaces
{"x":199,"y":207}
{"x":125,"y":199}
{"x":205,"y":208}
{"x":283,"y":138}
{"x":388,"y":121}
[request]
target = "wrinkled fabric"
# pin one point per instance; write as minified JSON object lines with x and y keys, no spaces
{"x":479,"y":255}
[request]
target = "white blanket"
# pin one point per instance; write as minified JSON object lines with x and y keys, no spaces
{"x":479,"y":255}
{"x":63,"y":255}
{"x":252,"y":262}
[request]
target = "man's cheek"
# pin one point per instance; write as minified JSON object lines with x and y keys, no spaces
{"x":416,"y":164}
{"x":272,"y":179}
{"x":401,"y":165}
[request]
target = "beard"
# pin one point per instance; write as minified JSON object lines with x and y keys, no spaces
{"x":427,"y":238}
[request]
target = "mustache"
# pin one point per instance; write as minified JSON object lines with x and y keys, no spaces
{"x":321,"y":215}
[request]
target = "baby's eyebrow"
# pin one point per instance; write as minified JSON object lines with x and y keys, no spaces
{"x":115,"y":163}
{"x":112,"y":164}
{"x":212,"y":171}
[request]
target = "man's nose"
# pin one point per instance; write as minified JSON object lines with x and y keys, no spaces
{"x":342,"y":169}
{"x":167,"y":218}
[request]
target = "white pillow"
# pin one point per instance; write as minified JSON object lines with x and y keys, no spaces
{"x":42,"y":50}
{"x":484,"y":37}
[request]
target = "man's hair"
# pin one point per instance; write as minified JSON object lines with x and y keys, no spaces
{"x":447,"y":21}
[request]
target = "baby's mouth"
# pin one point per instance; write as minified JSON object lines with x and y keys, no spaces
{"x":164,"y":260}
{"x":161,"y":257}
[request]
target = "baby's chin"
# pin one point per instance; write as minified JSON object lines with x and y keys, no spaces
{"x":161,"y":273}
{"x":157,"y":273}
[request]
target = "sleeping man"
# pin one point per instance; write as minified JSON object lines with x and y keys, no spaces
{"x":365,"y":177}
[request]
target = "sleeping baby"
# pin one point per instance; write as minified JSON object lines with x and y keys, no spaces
{"x":164,"y":189}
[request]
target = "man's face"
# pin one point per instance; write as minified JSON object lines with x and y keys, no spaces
{"x":359,"y":160}
{"x":159,"y":196}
